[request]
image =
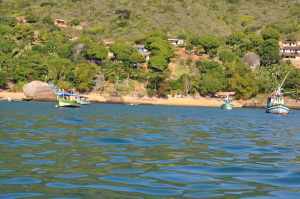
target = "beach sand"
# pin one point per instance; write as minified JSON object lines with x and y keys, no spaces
{"x":185,"y":101}
{"x":15,"y":96}
{"x":171,"y":101}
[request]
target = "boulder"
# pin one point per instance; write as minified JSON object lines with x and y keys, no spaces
{"x":37,"y":90}
{"x":252,"y":60}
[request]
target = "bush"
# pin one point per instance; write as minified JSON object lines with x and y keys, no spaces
{"x":269,"y":52}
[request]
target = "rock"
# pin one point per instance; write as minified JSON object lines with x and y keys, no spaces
{"x":40,"y":91}
{"x":252,"y":60}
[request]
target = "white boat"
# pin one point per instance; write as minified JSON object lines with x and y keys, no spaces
{"x":82,"y":100}
{"x":275,"y":103}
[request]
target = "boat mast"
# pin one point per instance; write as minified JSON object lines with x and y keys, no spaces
{"x":281,"y":85}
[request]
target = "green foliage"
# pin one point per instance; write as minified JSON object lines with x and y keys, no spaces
{"x":212,"y":77}
{"x":30,"y":66}
{"x":40,"y":50}
{"x":270,"y":33}
{"x":75,"y":22}
{"x":161,"y":51}
{"x":210,"y":44}
{"x":158,"y":63}
{"x":59,"y":69}
{"x":227,"y":56}
{"x":241,"y":80}
{"x":126,"y":53}
{"x":115,"y":72}
{"x":241,"y":42}
{"x":84,"y":75}
{"x":96,"y":51}
{"x":185,"y":85}
{"x":269,"y":52}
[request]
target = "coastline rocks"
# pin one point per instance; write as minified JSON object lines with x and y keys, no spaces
{"x":40,"y":91}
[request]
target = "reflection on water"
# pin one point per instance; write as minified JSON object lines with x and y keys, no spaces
{"x":119,"y":151}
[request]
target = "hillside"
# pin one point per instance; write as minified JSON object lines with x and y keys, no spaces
{"x":133,"y":19}
{"x":125,"y":47}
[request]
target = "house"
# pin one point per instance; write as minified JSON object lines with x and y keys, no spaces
{"x":176,"y":42}
{"x":21,"y":20}
{"x":143,"y":51}
{"x":60,"y":23}
{"x":108,"y":42}
{"x":290,"y":49}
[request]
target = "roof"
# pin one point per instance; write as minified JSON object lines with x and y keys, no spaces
{"x":65,"y":94}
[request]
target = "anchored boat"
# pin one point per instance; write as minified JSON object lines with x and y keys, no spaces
{"x":227,"y":104}
{"x":67,"y":100}
{"x":82,"y":100}
{"x":275,"y":103}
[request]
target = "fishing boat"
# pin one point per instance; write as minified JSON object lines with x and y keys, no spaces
{"x":82,"y":100}
{"x":275,"y":103}
{"x":227,"y":105}
{"x":67,"y":100}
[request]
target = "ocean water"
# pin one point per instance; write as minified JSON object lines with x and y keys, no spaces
{"x":121,"y":151}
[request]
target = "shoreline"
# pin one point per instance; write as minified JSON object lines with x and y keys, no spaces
{"x":185,"y":101}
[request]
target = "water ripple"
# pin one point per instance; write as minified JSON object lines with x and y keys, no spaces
{"x":147,"y":152}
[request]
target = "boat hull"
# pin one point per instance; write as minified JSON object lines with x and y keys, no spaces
{"x":68,"y":103}
{"x":226,"y":106}
{"x":83,"y":102}
{"x":278,"y":109}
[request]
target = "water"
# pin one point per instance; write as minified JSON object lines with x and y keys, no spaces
{"x":120,"y":151}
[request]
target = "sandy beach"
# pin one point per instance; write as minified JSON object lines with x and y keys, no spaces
{"x":185,"y":101}
{"x":171,"y":101}
{"x":15,"y":96}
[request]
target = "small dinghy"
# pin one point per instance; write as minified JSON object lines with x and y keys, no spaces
{"x":227,"y":104}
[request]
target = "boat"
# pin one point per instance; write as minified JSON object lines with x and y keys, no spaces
{"x":67,"y":100}
{"x":227,"y":105}
{"x":82,"y":100}
{"x":275,"y":103}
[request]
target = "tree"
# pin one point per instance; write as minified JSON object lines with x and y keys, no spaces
{"x":238,"y":42}
{"x":227,"y":56}
{"x":241,"y":80}
{"x":84,"y":74}
{"x":96,"y":51}
{"x":270,"y":33}
{"x":212,"y":77}
{"x":59,"y":69}
{"x":126,"y":53}
{"x":161,"y":51}
{"x":269,"y":52}
{"x":210,"y":44}
{"x":30,"y":66}
{"x":158,"y":63}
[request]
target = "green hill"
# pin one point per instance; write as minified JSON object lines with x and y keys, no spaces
{"x":127,"y":18}
{"x":74,"y":53}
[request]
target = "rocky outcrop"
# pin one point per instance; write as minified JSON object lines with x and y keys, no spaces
{"x":40,"y":91}
{"x":252,"y":60}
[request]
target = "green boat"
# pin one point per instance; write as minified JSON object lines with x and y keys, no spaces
{"x":67,"y":100}
{"x":227,"y":104}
